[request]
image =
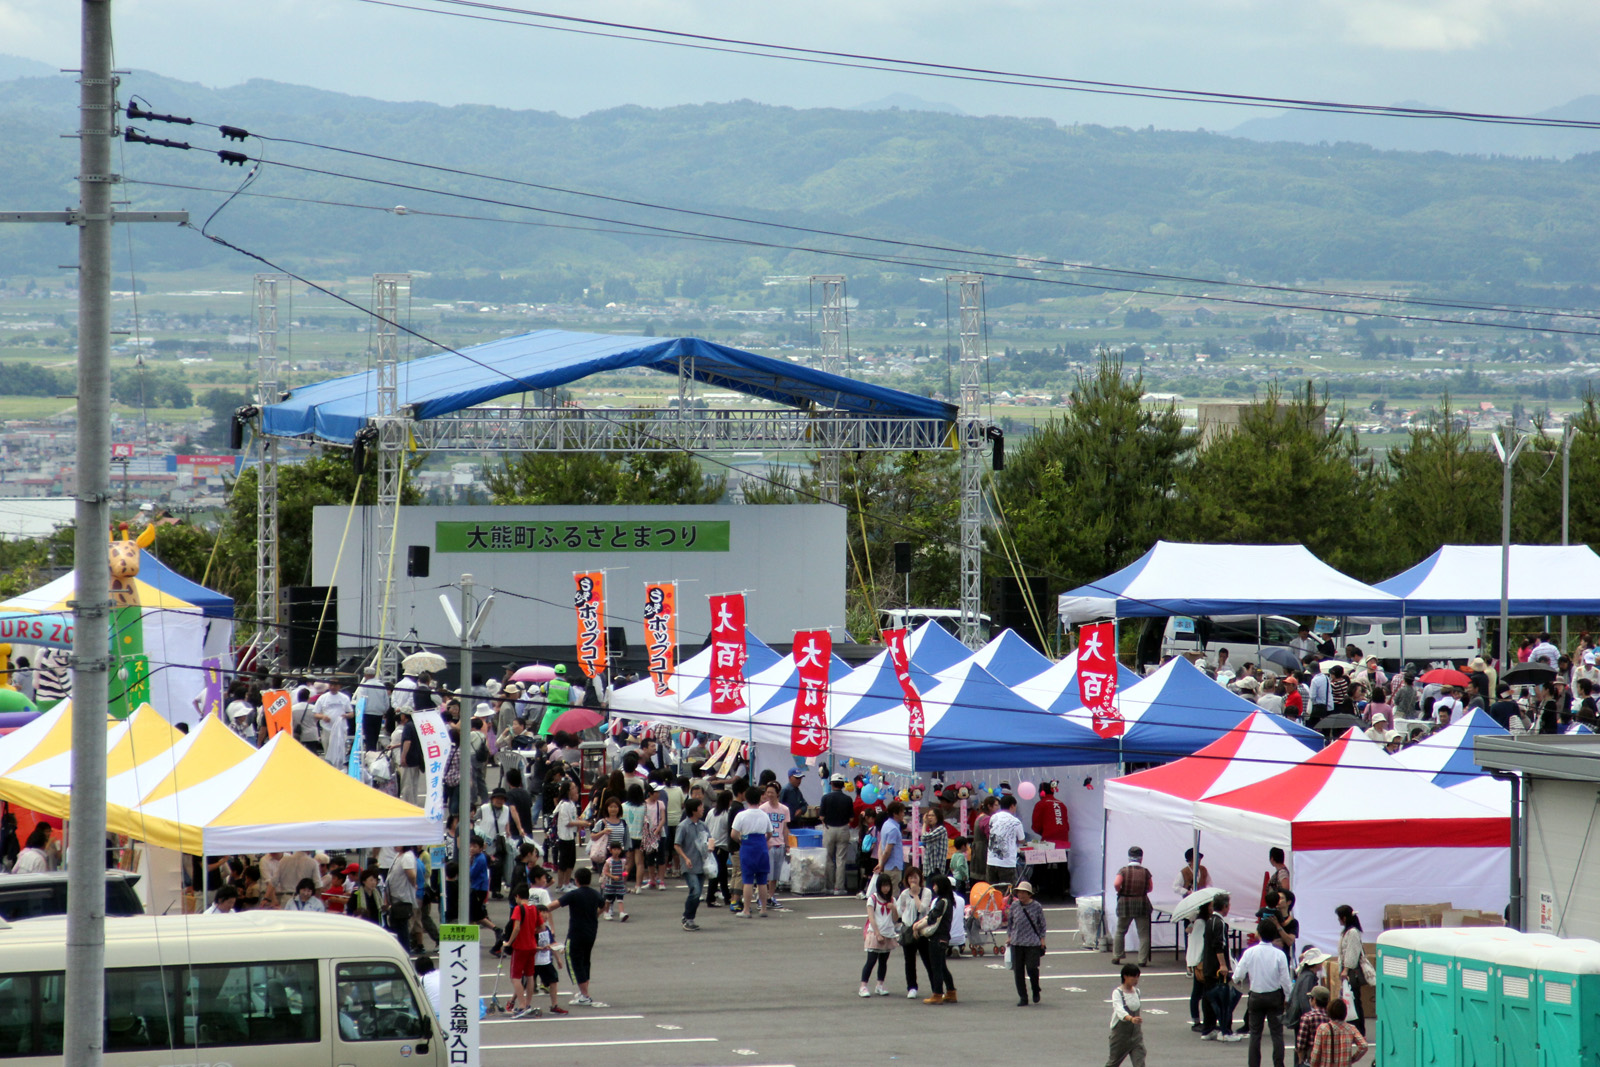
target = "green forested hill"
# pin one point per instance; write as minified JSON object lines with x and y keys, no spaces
{"x":1188,"y":202}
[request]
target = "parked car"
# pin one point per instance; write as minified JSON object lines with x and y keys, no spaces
{"x":35,"y":896}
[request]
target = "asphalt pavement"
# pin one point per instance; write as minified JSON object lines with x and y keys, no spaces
{"x":782,"y":991}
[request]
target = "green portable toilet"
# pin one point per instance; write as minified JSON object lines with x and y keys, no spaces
{"x":1568,"y":997}
{"x":1396,"y":999}
{"x":1515,"y":960}
{"x":1417,"y":995}
{"x":1476,"y":1036}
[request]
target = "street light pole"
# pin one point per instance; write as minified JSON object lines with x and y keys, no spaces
{"x":1566,"y":502}
{"x":1508,"y":452}
{"x":464,"y":762}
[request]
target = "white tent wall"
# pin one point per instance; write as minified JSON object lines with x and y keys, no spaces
{"x":1163,"y":840}
{"x":160,"y":885}
{"x":1368,"y":879}
{"x":175,"y":643}
{"x":1239,"y":865}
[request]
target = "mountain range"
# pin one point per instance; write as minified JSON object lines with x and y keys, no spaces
{"x":1184,"y":202}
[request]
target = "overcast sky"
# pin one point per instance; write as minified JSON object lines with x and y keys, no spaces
{"x":1488,"y":55}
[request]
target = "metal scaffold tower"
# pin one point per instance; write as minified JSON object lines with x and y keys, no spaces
{"x":391,"y":429}
{"x":268,"y":391}
{"x":830,"y":358}
{"x":973,"y":432}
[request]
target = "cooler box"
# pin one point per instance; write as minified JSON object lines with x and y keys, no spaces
{"x":1568,"y":994}
{"x":808,"y":838}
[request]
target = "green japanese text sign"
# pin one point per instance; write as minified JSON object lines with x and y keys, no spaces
{"x":581,"y":536}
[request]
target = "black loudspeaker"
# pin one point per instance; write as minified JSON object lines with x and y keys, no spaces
{"x":902,"y":557}
{"x":312,"y":641}
{"x":617,"y":639}
{"x":417,"y":561}
{"x":235,"y":431}
{"x":1011,"y":608}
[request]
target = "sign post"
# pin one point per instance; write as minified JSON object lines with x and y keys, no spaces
{"x":459,"y":990}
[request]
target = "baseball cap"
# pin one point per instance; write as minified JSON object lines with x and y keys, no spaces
{"x":797,"y":772}
{"x":838,"y":779}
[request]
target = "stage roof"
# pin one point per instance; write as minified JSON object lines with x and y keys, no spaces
{"x":447,"y":382}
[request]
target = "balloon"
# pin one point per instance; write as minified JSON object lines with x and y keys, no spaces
{"x":869,"y":794}
{"x":851,"y":762}
{"x":905,"y":794}
{"x":1026,"y":790}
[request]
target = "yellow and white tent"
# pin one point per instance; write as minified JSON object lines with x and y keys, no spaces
{"x":209,"y":749}
{"x":48,"y":735}
{"x":282,"y":797}
{"x":43,"y":781}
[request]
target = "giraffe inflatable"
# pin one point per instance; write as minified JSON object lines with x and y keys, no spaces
{"x":130,"y":667}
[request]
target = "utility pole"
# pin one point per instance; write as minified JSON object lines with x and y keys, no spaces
{"x":1566,"y":501}
{"x":84,"y":1007}
{"x":464,"y":749}
{"x":1508,"y":452}
{"x":391,"y":426}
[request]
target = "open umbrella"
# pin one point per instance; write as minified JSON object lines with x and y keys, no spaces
{"x":1282,"y":658}
{"x":534,"y":672}
{"x":576,"y":720}
{"x":1445,"y":676}
{"x":418,"y":662}
{"x":1528,"y":674}
{"x":1189,"y":906}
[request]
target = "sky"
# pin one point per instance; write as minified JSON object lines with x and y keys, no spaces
{"x":1510,"y":56}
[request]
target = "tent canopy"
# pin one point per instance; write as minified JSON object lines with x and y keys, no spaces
{"x":1447,"y":755}
{"x":691,"y":681}
{"x":1465,"y":579}
{"x":1255,"y":749}
{"x":46,"y":785}
{"x":151,"y":570}
{"x":1187,"y":579}
{"x":971,"y":722}
{"x":1179,"y":710}
{"x":447,"y":382}
{"x":59,"y":594}
{"x":1011,"y":659}
{"x":1056,"y":688}
{"x":282,"y":797}
{"x":1352,"y":794}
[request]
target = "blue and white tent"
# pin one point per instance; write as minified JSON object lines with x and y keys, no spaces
{"x":972,"y":721}
{"x":1179,"y":710}
{"x":1056,"y":688}
{"x":1011,"y":659}
{"x":1447,"y":756}
{"x":1465,"y":580}
{"x":691,"y":681}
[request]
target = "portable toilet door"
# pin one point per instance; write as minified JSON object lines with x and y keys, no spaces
{"x":1513,"y":980}
{"x":1568,"y":988}
{"x":1476,"y":1034}
{"x":1436,"y":1003}
{"x":1396,"y":1036}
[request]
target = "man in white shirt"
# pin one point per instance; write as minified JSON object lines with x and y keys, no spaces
{"x":1447,"y":707}
{"x":1303,"y":645}
{"x":335,"y":713}
{"x":1006,"y":835}
{"x":1266,"y":969}
{"x":377,"y":703}
{"x":1271,"y":700}
{"x":1544,"y":652}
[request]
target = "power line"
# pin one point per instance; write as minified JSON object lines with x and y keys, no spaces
{"x":956,"y":72}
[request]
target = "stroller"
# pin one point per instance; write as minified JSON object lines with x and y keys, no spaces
{"x":986,"y":915}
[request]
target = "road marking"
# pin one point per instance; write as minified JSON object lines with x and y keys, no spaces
{"x":597,"y":1044}
{"x":852,"y":915}
{"x":1073,"y":989}
{"x":667,"y":1026}
{"x":1109,"y":974}
{"x":1070,"y":907}
{"x":1150,"y":1000}
{"x":567,"y":1019}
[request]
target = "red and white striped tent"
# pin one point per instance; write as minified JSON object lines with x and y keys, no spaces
{"x":1361,"y":829}
{"x":1154,"y":809}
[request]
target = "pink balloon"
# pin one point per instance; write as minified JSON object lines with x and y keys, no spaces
{"x":1027,"y":790}
{"x":534,"y":672}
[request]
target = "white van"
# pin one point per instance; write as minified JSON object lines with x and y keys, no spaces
{"x":1429,"y":639}
{"x":912,"y":618}
{"x":256,"y":988}
{"x":1242,"y":635}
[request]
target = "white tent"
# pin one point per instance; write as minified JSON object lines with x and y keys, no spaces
{"x":1187,"y":579}
{"x":1359,"y":829}
{"x":1154,"y":809}
{"x":1465,"y":580}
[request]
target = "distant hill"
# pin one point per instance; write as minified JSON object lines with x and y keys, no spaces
{"x":1187,"y":202}
{"x":907,"y":102}
{"x":1464,"y":138}
{"x":16,"y":67}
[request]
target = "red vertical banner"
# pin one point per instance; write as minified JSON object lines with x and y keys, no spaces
{"x":1097,"y":677}
{"x":727,"y":653}
{"x":900,"y":656}
{"x":808,"y":732}
{"x":661,"y":632}
{"x":590,"y":602}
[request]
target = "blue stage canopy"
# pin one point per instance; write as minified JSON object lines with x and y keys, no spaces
{"x":446,"y":382}
{"x":153,"y":572}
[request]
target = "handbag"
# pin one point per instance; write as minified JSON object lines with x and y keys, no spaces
{"x":1369,"y":975}
{"x":907,"y":935}
{"x":599,"y":845}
